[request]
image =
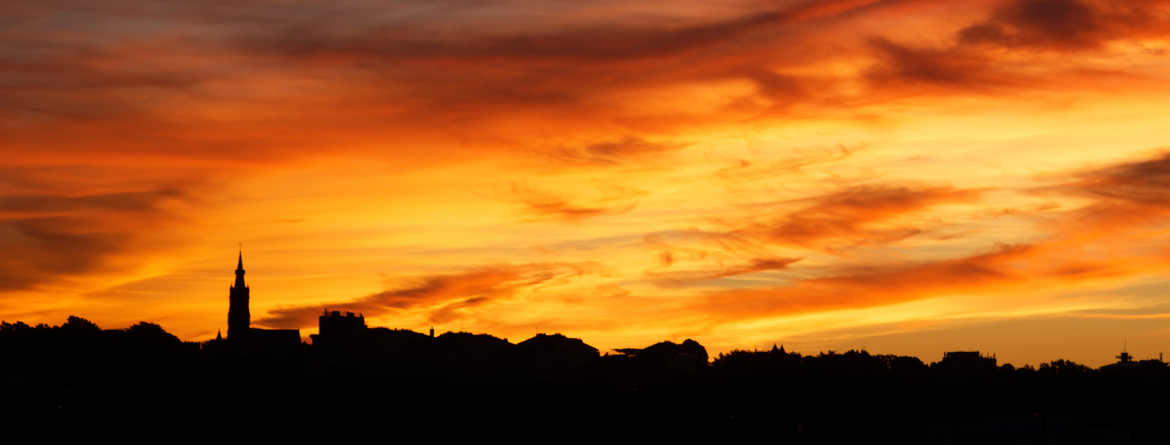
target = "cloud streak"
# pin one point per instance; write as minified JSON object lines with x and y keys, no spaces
{"x":853,"y":215}
{"x":442,"y":296}
{"x":1126,"y":198}
{"x":1067,"y":24}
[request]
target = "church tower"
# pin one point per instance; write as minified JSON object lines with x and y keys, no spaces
{"x":239,"y":319}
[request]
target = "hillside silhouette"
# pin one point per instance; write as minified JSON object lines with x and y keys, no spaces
{"x":79,"y":369}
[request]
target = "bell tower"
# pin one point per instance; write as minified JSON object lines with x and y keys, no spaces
{"x":239,"y":318}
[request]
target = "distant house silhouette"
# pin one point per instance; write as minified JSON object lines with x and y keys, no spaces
{"x":1124,"y":357}
{"x":336,"y":329}
{"x":966,"y":363}
{"x":241,"y":335}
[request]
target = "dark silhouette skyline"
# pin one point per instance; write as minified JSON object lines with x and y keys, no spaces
{"x":354,"y":371}
{"x":351,"y":370}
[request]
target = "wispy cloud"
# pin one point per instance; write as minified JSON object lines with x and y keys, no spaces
{"x":443,"y":296}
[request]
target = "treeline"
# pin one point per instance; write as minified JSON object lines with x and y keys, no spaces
{"x":78,"y":368}
{"x":741,"y":363}
{"x":79,"y":348}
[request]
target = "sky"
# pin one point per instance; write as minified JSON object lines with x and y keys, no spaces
{"x":905,"y":176}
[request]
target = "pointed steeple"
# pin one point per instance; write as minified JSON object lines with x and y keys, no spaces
{"x":239,"y":317}
{"x":240,"y":271}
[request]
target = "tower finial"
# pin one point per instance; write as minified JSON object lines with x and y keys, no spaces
{"x":240,"y":270}
{"x":239,"y":317}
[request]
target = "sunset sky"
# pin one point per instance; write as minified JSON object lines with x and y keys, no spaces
{"x":905,"y":176}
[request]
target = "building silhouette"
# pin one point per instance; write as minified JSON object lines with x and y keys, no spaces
{"x":966,"y":363}
{"x":1126,"y":357}
{"x":336,"y":329}
{"x":239,"y":316}
{"x":241,"y":334}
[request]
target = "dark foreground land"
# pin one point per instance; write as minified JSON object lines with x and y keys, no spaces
{"x":405,"y":381}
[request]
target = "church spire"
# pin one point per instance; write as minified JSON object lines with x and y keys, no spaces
{"x":240,"y":270}
{"x":240,"y":263}
{"x":239,"y":317}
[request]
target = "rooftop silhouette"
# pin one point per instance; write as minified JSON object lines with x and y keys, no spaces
{"x":350,"y":368}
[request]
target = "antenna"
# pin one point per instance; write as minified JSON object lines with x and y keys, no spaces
{"x":1124,"y":357}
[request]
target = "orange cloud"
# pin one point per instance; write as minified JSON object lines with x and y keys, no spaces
{"x":879,"y":285}
{"x":1127,"y":197}
{"x":224,"y":85}
{"x":850,"y":214}
{"x":54,"y":230}
{"x":613,"y":152}
{"x":1068,"y":24}
{"x":441,"y":295}
{"x":613,"y":200}
{"x":680,"y":278}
